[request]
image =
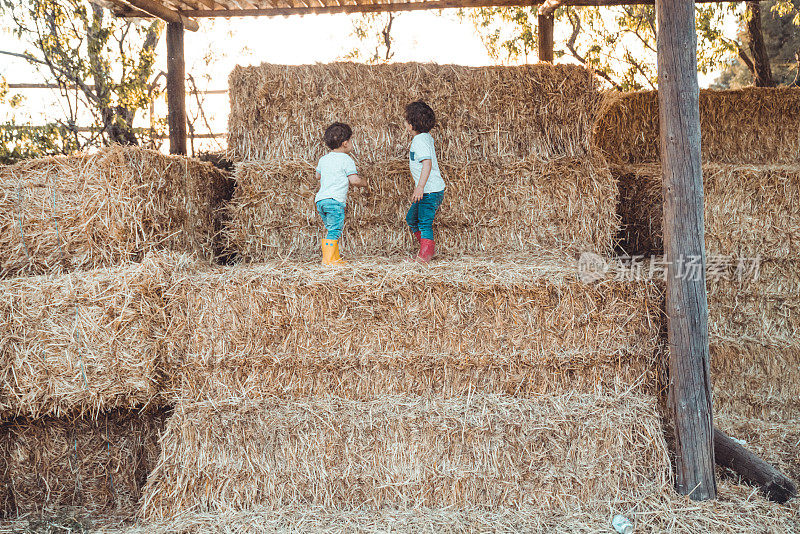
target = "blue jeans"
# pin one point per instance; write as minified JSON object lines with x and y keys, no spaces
{"x":332,"y":213}
{"x":420,"y":215}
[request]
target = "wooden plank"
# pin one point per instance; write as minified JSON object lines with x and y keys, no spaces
{"x":546,"y":24}
{"x":229,"y":9}
{"x":159,"y":10}
{"x":687,"y":303}
{"x":176,"y":89}
{"x":56,"y":86}
{"x":776,"y":486}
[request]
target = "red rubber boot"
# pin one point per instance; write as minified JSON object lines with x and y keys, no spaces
{"x":426,"y":250}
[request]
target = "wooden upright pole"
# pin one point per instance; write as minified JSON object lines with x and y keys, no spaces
{"x":176,"y":89}
{"x":546,"y":38}
{"x":687,"y":304}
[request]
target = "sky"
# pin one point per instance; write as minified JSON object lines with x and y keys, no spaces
{"x":221,"y":44}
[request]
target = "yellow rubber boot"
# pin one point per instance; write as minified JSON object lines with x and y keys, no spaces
{"x":330,"y":252}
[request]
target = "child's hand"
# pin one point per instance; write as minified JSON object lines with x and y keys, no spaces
{"x":417,"y":196}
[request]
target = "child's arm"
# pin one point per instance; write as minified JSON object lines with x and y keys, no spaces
{"x":427,"y":165}
{"x":357,"y":180}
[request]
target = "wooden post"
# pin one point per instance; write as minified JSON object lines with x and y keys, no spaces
{"x":776,"y":486}
{"x":687,"y":304}
{"x":546,"y":38}
{"x":176,"y":89}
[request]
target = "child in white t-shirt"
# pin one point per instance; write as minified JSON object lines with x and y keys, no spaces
{"x":336,"y":171}
{"x":429,"y":184}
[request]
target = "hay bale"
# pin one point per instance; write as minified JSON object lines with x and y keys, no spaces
{"x":370,"y":327}
{"x":98,"y":210}
{"x":280,"y":111}
{"x":406,"y":451}
{"x":735,"y":314}
{"x":750,"y":379}
{"x":97,"y":465}
{"x":737,"y":510}
{"x":754,"y":125}
{"x":750,"y":210}
{"x":84,"y":342}
{"x":525,"y":205}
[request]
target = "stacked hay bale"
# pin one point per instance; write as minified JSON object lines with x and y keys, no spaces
{"x":95,"y":466}
{"x":373,"y":327}
{"x":557,"y":453}
{"x":497,"y":381}
{"x":753,"y":125}
{"x":524,"y":205}
{"x":83,"y":272}
{"x":85,"y":342}
{"x":513,"y":144}
{"x":751,"y":175}
{"x":81,"y":374}
{"x":280,"y":111}
{"x":99,"y":210}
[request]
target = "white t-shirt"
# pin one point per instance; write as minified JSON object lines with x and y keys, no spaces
{"x":422,"y":149}
{"x":334,"y":168}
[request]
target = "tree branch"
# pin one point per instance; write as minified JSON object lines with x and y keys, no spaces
{"x":75,"y":79}
{"x":575,"y":22}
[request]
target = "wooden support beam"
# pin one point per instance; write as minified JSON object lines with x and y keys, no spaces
{"x":176,"y":89}
{"x":776,"y":486}
{"x":360,"y":7}
{"x":164,"y":13}
{"x":546,"y":24}
{"x":684,"y":248}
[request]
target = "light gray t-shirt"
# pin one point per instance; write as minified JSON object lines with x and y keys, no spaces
{"x":334,"y":168}
{"x":421,"y":149}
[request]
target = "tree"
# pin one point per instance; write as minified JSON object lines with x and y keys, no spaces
{"x":780,"y":24}
{"x":618,"y":43}
{"x":373,"y":28}
{"x":103,"y":66}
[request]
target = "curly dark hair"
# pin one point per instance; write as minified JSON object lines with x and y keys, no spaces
{"x":420,"y":116}
{"x":336,"y":134}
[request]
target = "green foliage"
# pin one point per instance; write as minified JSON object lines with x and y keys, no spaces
{"x":618,"y":43}
{"x":23,"y":142}
{"x":102,"y":65}
{"x":780,"y":21}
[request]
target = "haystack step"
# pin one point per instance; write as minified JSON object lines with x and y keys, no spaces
{"x":169,"y":329}
{"x":522,"y":205}
{"x":520,"y":326}
{"x":554,"y":452}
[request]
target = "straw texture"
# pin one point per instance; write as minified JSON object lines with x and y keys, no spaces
{"x":98,"y":465}
{"x":103,"y":209}
{"x":525,"y":205}
{"x":738,"y":510}
{"x":749,"y":209}
{"x":84,"y":342}
{"x":554,"y":451}
{"x":280,"y":112}
{"x":523,"y":326}
{"x":756,"y":379}
{"x":754,"y":125}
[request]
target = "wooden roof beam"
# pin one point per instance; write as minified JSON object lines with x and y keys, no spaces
{"x":158,"y":10}
{"x":407,"y":6}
